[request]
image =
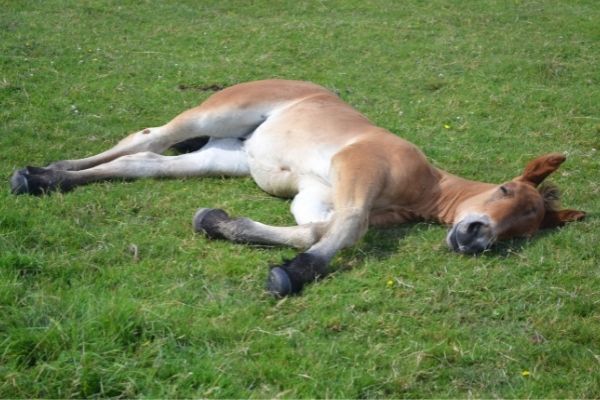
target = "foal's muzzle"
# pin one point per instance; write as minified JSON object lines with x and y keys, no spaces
{"x":473,"y":234}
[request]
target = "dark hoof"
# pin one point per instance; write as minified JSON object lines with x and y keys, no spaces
{"x":279,"y":283}
{"x":207,"y":220}
{"x":39,"y":181}
{"x":18,"y":182}
{"x":290,"y":277}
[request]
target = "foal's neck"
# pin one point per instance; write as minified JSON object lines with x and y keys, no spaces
{"x":451,"y":192}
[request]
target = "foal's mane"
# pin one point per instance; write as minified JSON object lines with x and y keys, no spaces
{"x":551,"y":195}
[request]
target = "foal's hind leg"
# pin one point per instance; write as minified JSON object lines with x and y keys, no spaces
{"x":201,"y":121}
{"x":220,"y":122}
{"x":155,"y":140}
{"x":218,"y":157}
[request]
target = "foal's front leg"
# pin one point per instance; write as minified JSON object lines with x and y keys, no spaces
{"x":216,"y":224}
{"x":356,"y":182}
{"x":355,"y":187}
{"x":320,"y":241}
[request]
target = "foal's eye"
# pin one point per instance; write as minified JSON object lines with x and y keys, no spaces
{"x":531,"y":211}
{"x":504,"y":190}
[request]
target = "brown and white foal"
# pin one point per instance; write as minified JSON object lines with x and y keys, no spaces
{"x":299,"y":140}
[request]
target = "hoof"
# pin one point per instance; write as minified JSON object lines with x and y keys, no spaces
{"x":207,"y":220}
{"x":39,"y":181}
{"x":18,"y":182}
{"x":279,"y":283}
{"x":290,"y":277}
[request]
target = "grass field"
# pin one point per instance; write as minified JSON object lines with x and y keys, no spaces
{"x":480,"y":86}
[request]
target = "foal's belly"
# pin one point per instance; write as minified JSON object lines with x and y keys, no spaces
{"x":273,"y":178}
{"x":281,"y":168}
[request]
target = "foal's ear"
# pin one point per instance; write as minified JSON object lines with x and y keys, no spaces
{"x":553,"y":219}
{"x":537,"y":170}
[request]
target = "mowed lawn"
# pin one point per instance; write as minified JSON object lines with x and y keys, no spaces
{"x":106,"y":291}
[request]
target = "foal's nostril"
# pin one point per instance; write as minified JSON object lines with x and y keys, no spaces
{"x":474,"y":227}
{"x":471,"y":235}
{"x":469,"y":232}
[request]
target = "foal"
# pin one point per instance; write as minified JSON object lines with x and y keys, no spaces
{"x":299,"y":140}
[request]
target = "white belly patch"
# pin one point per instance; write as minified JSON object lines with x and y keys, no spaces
{"x":279,"y":161}
{"x":277,"y":180}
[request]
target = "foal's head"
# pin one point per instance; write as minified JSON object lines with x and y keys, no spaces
{"x":515,"y":208}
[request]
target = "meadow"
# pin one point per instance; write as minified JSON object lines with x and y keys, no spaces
{"x":106,"y":291}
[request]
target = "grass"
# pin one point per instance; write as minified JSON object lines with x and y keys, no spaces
{"x":481,"y":87}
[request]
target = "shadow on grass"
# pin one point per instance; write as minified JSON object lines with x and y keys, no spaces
{"x":379,"y":244}
{"x":383,"y":243}
{"x":507,"y":248}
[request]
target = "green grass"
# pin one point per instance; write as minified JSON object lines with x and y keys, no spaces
{"x":81,"y":317}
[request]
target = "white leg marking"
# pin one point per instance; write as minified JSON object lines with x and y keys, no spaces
{"x":218,"y":157}
{"x":222,"y":157}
